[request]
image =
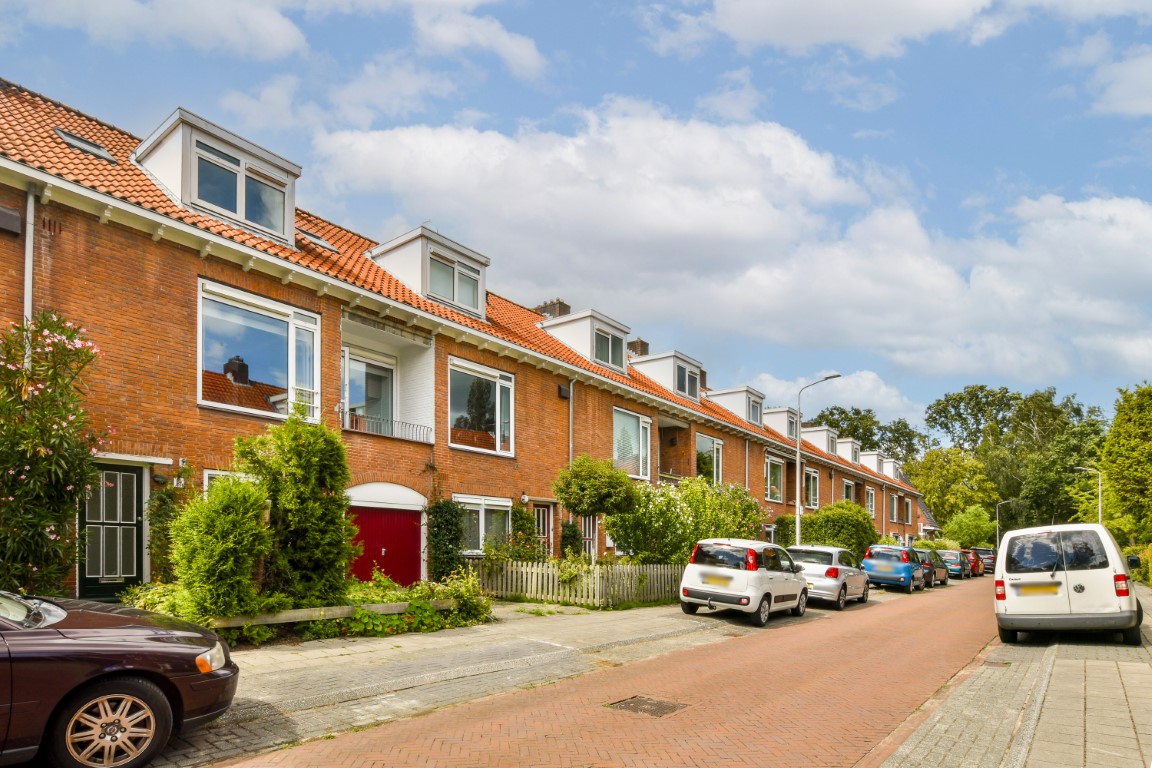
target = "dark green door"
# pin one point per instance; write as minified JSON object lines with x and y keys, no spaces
{"x":113,"y":523}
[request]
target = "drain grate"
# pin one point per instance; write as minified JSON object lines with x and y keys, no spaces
{"x":645,"y":706}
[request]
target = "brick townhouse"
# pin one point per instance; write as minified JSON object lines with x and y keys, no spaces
{"x":220,"y":307}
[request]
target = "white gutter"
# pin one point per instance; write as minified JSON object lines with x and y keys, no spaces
{"x":29,"y":243}
{"x":571,"y":405}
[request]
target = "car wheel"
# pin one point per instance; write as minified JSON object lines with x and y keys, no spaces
{"x":929,"y":582}
{"x":120,"y":722}
{"x":1132,"y":635}
{"x":944,"y":581}
{"x":689,"y":608}
{"x":763,"y":611}
{"x":842,"y":598}
{"x":910,"y":587}
{"x":864,"y":596}
{"x":1007,"y":635}
{"x":801,"y":603}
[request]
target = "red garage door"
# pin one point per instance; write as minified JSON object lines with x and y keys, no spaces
{"x":391,"y":539}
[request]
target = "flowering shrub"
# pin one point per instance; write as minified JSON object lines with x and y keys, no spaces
{"x":47,"y":451}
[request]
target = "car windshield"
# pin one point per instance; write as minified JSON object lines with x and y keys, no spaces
{"x":721,"y":555}
{"x":1039,"y":552}
{"x":811,"y":556}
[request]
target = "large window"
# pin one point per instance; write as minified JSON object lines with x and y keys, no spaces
{"x":609,"y":349}
{"x":257,"y":355}
{"x":773,"y":479}
{"x":454,"y":281}
{"x":870,"y":501}
{"x":368,"y":394}
{"x":236,"y":186}
{"x":631,"y":441}
{"x":709,"y":458}
{"x":812,"y":488}
{"x":687,"y":381}
{"x":485,"y":519}
{"x":480,"y":403}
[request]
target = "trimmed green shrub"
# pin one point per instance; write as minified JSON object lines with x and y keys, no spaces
{"x":595,"y":487}
{"x":843,"y":524}
{"x":571,"y":538}
{"x":445,"y":538}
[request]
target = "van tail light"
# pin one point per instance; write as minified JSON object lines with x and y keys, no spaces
{"x":1123,"y":588}
{"x":832,"y":573}
{"x":1000,"y":593}
{"x":695,"y":549}
{"x":903,"y":555}
{"x":750,"y":561}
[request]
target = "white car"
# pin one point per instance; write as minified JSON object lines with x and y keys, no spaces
{"x":832,"y":574}
{"x":744,"y":574}
{"x":1064,"y":577}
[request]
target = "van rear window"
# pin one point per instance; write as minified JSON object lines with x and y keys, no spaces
{"x":1070,"y":550}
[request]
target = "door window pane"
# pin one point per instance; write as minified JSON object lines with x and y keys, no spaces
{"x":369,"y":397}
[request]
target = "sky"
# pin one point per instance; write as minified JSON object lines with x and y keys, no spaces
{"x":917,"y":194}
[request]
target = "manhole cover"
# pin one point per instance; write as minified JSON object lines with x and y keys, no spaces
{"x":646,"y":706}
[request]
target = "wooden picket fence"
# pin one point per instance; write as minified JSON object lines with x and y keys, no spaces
{"x":599,"y":586}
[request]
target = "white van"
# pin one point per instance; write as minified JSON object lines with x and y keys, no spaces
{"x":1064,"y":577}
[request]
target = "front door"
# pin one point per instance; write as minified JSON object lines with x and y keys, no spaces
{"x":391,"y":540}
{"x":113,"y":524}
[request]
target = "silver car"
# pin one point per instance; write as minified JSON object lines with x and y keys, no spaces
{"x":833,"y":574}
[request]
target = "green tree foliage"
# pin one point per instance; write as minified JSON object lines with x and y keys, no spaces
{"x":965,"y":416}
{"x":903,"y":442}
{"x":897,"y":439}
{"x":843,"y":524}
{"x":163,"y":508}
{"x":46,"y":451}
{"x":520,"y":545}
{"x":1126,"y":462}
{"x":571,"y":538}
{"x":445,"y":539}
{"x":303,"y":468}
{"x":595,"y":487}
{"x":970,"y":528}
{"x":951,"y":480}
{"x":670,"y":519}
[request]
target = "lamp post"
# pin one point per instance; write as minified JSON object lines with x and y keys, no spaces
{"x":998,"y":504}
{"x":799,"y":431}
{"x":1099,"y":492}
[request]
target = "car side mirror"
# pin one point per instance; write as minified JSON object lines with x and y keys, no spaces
{"x":1133,"y":561}
{"x":797,"y":568}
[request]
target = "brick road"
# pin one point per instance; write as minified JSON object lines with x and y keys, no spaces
{"x":816,"y":693}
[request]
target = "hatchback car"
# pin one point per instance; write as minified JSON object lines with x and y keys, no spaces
{"x":893,"y":566}
{"x":958,"y":563}
{"x":744,"y":574}
{"x":96,"y":685}
{"x":1065,"y":577}
{"x":987,"y":555}
{"x":974,"y":562}
{"x":935,"y":569}
{"x":832,"y":574}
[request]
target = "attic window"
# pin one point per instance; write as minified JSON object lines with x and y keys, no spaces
{"x":237,"y":186}
{"x":609,"y":348}
{"x":755,"y":407}
{"x":454,"y":282}
{"x":85,"y":146}
{"x":315,"y":239}
{"x":687,"y":381}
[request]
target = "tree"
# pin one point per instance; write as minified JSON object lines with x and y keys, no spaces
{"x":902,"y":442}
{"x":595,"y":487}
{"x":951,"y":480}
{"x":971,"y":527}
{"x":46,"y":451}
{"x":965,"y":416}
{"x":842,"y":524}
{"x":1126,"y":462}
{"x":897,"y":438}
{"x":303,"y":468}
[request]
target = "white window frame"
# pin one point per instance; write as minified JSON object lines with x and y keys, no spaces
{"x":589,"y":535}
{"x":791,"y":427}
{"x":855,"y":454}
{"x":908,"y":511}
{"x":755,"y":410}
{"x":616,"y":343}
{"x":691,"y":388}
{"x":893,"y":512}
{"x":202,"y":149}
{"x":297,"y":319}
{"x":849,"y":489}
{"x":717,"y":457}
{"x":831,"y":445}
{"x":459,"y":268}
{"x":482,"y":505}
{"x":347,"y":355}
{"x":812,"y":488}
{"x":644,"y":427}
{"x":870,"y":501}
{"x":769,"y":462}
{"x":503,"y":381}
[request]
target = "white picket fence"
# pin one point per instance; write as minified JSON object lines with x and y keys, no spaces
{"x":600,"y":586}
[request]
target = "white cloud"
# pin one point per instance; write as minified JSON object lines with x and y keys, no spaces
{"x":736,"y":99}
{"x":273,"y":107}
{"x":857,"y":389}
{"x":449,"y":32}
{"x":1125,"y":86}
{"x":674,"y":32}
{"x":392,"y":85}
{"x":851,"y":90}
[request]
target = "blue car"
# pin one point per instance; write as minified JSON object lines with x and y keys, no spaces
{"x":892,"y":566}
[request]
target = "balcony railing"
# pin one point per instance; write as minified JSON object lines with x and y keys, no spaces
{"x":374,"y":425}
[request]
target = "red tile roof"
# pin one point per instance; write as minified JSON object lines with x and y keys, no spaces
{"x":27,"y":136}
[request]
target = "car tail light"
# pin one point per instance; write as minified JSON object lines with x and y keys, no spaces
{"x":750,"y":560}
{"x":1000,"y":593}
{"x":1123,"y":588}
{"x":832,"y":573}
{"x":868,"y":554}
{"x":903,"y":555}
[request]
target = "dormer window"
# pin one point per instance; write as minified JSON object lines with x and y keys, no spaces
{"x":454,"y":281}
{"x":831,"y":444}
{"x":755,"y":410}
{"x":609,"y":348}
{"x":687,"y":381}
{"x":855,"y":455}
{"x":791,"y":426}
{"x":239,"y":187}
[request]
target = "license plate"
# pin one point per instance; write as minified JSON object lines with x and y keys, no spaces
{"x":884,"y":568}
{"x":717,"y":581}
{"x":809,"y":585}
{"x":1039,"y":589}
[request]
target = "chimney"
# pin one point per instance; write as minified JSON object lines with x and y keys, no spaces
{"x":236,"y":370}
{"x":554,"y":308}
{"x":638,"y":347}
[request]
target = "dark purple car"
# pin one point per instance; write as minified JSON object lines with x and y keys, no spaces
{"x":97,"y":685}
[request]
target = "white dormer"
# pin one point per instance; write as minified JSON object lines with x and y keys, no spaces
{"x":848,"y":448}
{"x":824,"y":438}
{"x":783,"y":420}
{"x":873,"y":460}
{"x":207,"y":168}
{"x":892,"y":468}
{"x":437,"y":268}
{"x":672,"y":370}
{"x":593,"y":335}
{"x":745,"y":402}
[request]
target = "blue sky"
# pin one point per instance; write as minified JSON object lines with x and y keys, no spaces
{"x":917,"y":194}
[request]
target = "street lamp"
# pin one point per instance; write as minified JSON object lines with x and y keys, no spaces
{"x":998,"y":519}
{"x":1099,"y":492}
{"x":799,"y":430}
